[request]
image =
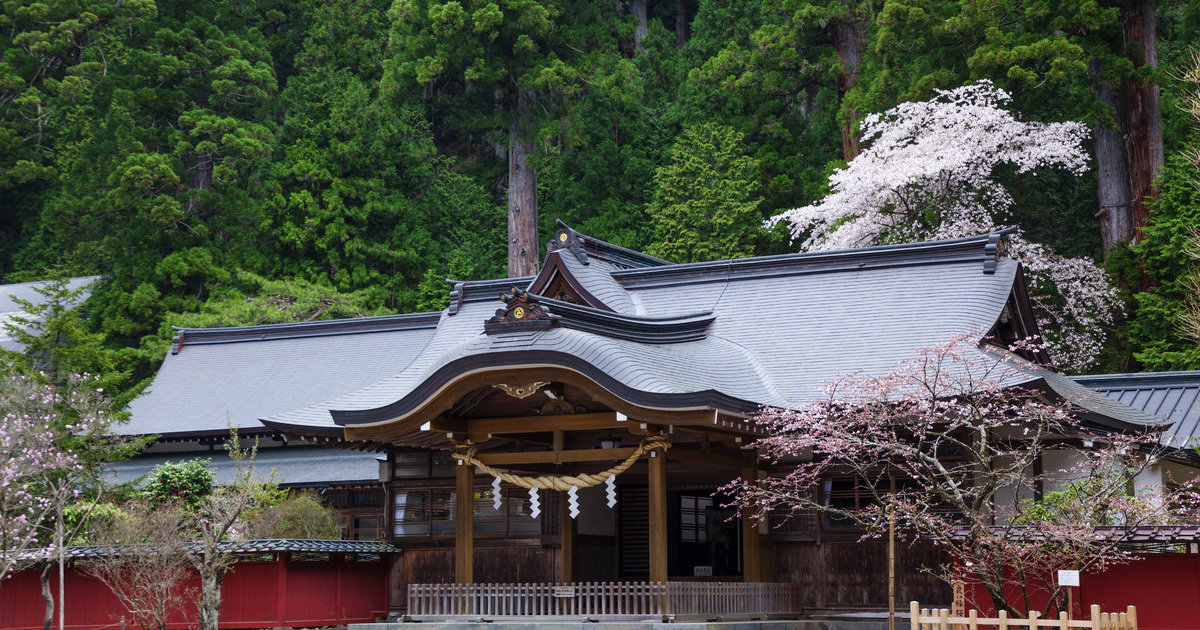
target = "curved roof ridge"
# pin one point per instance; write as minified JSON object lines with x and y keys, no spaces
{"x":984,"y":249}
{"x":628,"y":326}
{"x":291,"y":330}
{"x":594,"y":247}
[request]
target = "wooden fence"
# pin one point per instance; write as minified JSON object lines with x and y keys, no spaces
{"x":941,"y":619}
{"x":604,"y":600}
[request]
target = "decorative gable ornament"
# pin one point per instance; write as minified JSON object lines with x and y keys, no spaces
{"x":520,"y":313}
{"x":567,"y":240}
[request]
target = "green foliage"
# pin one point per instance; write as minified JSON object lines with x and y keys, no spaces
{"x":1156,"y":327}
{"x":186,"y":484}
{"x":89,"y":519}
{"x":707,"y":204}
{"x":1074,"y":503}
{"x":301,"y":515}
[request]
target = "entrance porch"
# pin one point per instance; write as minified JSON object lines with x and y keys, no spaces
{"x":488,"y":496}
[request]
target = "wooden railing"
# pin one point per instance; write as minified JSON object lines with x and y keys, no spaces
{"x":604,"y":600}
{"x":941,"y":619}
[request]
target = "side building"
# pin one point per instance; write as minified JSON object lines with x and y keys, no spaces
{"x":217,"y":379}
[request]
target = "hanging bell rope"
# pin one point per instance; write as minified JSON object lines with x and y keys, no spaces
{"x":565,"y":482}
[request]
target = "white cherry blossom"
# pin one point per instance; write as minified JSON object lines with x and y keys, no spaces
{"x":929,"y":172}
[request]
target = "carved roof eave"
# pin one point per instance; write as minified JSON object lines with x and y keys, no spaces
{"x":444,"y":388}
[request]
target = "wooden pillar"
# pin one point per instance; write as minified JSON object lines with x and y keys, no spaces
{"x":281,"y":611}
{"x":658,"y":517}
{"x":751,"y":540}
{"x":567,"y":530}
{"x":464,"y":524}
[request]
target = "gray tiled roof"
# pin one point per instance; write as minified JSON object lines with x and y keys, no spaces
{"x":726,"y":334}
{"x":271,"y":545}
{"x":597,"y":277}
{"x":1111,"y":533}
{"x":784,"y":327}
{"x":216,"y":378}
{"x":1172,"y":396}
{"x":27,"y":291}
{"x":294,"y":466}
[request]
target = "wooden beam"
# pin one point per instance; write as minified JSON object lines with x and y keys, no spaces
{"x":530,"y":424}
{"x":681,"y":454}
{"x":658,"y":517}
{"x":464,"y":512}
{"x":556,"y":457}
{"x":751,"y":543}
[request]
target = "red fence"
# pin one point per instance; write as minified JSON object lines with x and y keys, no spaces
{"x":329,"y":589}
{"x":1165,"y":587}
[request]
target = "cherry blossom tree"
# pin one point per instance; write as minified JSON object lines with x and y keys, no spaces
{"x":950,"y":448}
{"x":929,"y":171}
{"x":32,"y":460}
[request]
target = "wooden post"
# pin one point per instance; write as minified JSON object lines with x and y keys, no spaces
{"x":1131,"y":613}
{"x":281,"y":585}
{"x":658,"y":517}
{"x":1095,"y":616}
{"x":751,"y":543}
{"x":891,"y":571}
{"x":567,"y":532}
{"x":914,"y":615}
{"x":464,"y":524}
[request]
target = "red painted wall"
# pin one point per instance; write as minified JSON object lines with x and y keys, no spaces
{"x":1165,"y":587}
{"x":316,"y":593}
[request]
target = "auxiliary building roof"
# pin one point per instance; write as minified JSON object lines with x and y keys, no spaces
{"x":1172,"y":396}
{"x":27,"y":291}
{"x":292,"y":467}
{"x":217,"y":378}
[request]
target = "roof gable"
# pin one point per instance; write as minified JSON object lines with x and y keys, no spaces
{"x":578,"y":269}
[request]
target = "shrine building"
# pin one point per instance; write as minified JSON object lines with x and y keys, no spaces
{"x":633,"y":379}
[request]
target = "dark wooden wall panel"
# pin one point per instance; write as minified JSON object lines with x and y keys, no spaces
{"x":853,"y":574}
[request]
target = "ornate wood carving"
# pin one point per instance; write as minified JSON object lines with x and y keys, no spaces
{"x":524,"y":390}
{"x":570,"y":240}
{"x":520,"y":313}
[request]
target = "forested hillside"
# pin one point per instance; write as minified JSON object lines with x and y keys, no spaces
{"x":247,"y":161}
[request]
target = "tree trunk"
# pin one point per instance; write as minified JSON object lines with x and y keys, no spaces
{"x":1112,"y":168}
{"x":522,"y":191}
{"x":682,"y":23}
{"x":1144,"y":110}
{"x":639,"y":12}
{"x":48,"y":596}
{"x":848,"y":43}
{"x":209,"y":606}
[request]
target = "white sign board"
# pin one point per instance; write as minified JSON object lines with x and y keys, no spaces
{"x":702,"y":570}
{"x":564,"y":591}
{"x":1068,"y":578}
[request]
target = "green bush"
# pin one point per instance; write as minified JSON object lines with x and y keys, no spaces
{"x":185,"y":484}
